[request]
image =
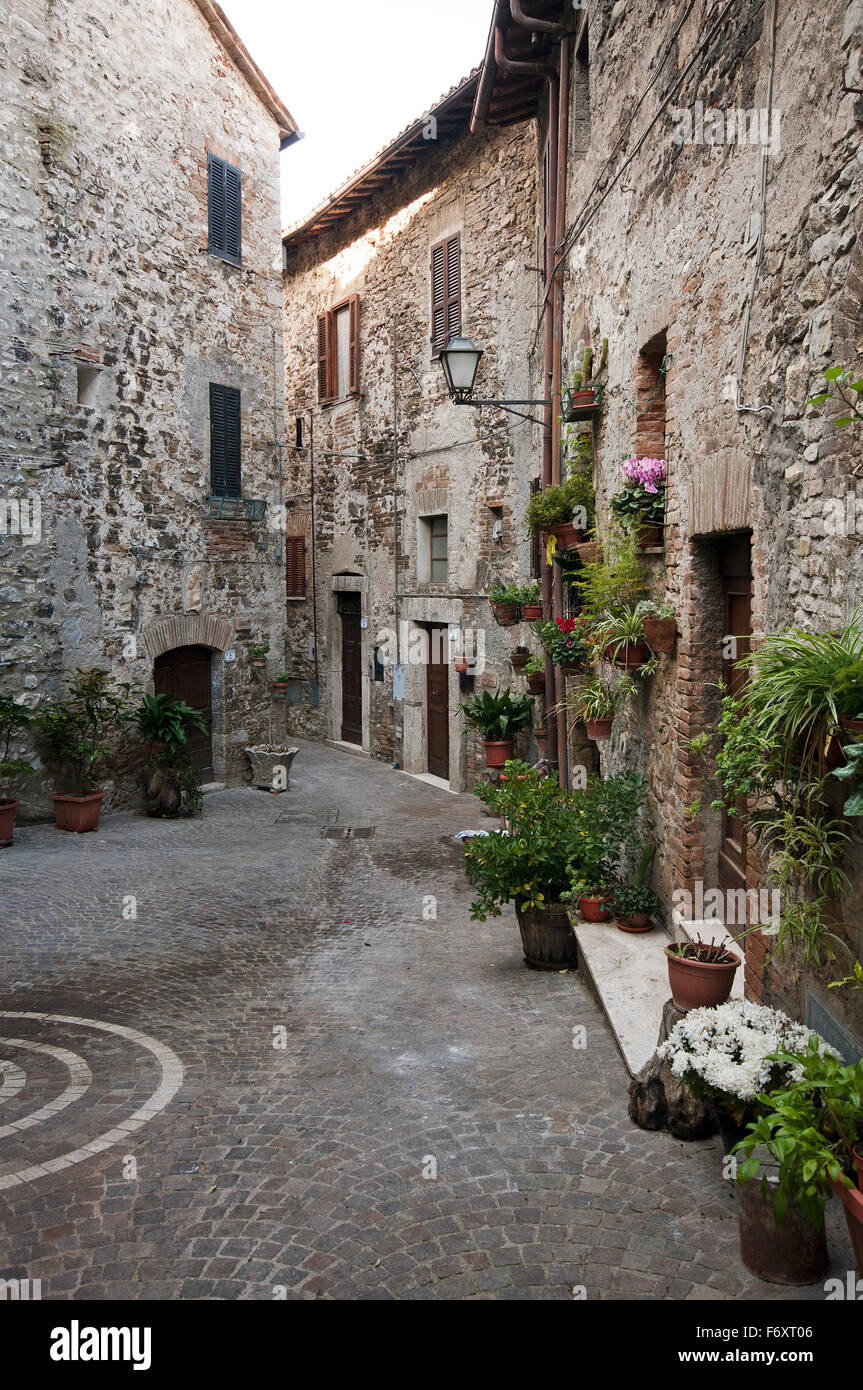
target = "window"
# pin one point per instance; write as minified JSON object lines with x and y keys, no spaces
{"x":339,"y":351}
{"x":225,"y":453}
{"x":446,"y":291}
{"x":225,"y":210}
{"x":295,"y":558}
{"x":88,"y":385}
{"x":432,"y":550}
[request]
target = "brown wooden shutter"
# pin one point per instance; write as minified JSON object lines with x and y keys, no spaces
{"x":453,"y":288}
{"x":439,"y":313}
{"x":354,"y":381}
{"x":295,"y":566}
{"x":325,"y":372}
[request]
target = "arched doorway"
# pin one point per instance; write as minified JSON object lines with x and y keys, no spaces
{"x":185,"y":671}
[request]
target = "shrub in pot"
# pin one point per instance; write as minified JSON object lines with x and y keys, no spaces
{"x":562,"y":510}
{"x":14,"y":719}
{"x":634,"y":905}
{"x":498,"y":716}
{"x":530,"y":603}
{"x":169,"y":777}
{"x":591,"y":894}
{"x":78,"y":732}
{"x":282,"y":681}
{"x":701,"y":973}
{"x":504,"y":600}
{"x":621,"y":638}
{"x":810,"y":1130}
{"x":660,"y":626}
{"x":535,"y":672}
{"x":596,"y":703}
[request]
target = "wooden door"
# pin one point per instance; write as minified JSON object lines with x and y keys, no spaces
{"x":735,"y":558}
{"x":185,"y":672}
{"x":437,"y":704}
{"x":352,"y":669}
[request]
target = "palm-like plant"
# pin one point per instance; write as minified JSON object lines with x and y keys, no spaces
{"x":167,"y":719}
{"x":598,"y":698}
{"x":498,"y":715}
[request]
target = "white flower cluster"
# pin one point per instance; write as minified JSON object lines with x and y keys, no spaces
{"x":726,"y":1048}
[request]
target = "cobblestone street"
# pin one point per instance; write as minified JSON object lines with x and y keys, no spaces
{"x":242,"y":1089}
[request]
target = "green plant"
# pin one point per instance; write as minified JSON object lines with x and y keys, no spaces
{"x":606,"y":835}
{"x":849,"y":691}
{"x":810,"y":1129}
{"x":77,"y":731}
{"x":258,"y":650}
{"x":555,"y":505}
{"x":283,"y":678}
{"x":845,"y":385}
{"x":505,"y":594}
{"x":587,"y":884}
{"x":636,"y":898}
{"x":641,"y":501}
{"x":855,"y":979}
{"x":707,"y":952}
{"x":614,"y":582}
{"x":650,"y":609}
{"x":166,"y":719}
{"x":535,"y":667}
{"x":616,"y":632}
{"x":567,"y":640}
{"x":598,"y":698}
{"x":529,"y":594}
{"x":499,"y":715}
{"x":14,"y":719}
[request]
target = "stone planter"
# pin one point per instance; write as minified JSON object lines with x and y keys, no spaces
{"x":547,"y":938}
{"x":77,"y":813}
{"x":271,"y":767}
{"x":7,"y":820}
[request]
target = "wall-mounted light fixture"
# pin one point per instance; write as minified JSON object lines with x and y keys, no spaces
{"x":460,"y":360}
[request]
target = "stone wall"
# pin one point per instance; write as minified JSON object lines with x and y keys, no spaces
{"x":670,"y":250}
{"x":472,"y":464}
{"x":115,"y":321}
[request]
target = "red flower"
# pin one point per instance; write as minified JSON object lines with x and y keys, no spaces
{"x":565,"y":624}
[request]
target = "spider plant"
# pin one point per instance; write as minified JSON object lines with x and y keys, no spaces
{"x":598,"y":698}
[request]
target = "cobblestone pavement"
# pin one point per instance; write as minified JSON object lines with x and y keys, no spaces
{"x":241,"y":1090}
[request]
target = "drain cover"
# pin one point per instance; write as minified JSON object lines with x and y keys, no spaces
{"x":363,"y":832}
{"x":347,"y":832}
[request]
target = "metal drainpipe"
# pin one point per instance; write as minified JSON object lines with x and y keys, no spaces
{"x":314,"y":546}
{"x":510,"y":67}
{"x":556,"y":326}
{"x":537,"y":26}
{"x":551,"y":673}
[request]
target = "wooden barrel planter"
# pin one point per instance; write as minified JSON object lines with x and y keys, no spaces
{"x":794,"y":1253}
{"x":547,"y":938}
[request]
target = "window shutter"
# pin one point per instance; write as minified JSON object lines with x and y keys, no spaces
{"x":295,"y":556}
{"x":453,"y":288}
{"x":225,"y":450}
{"x":325,"y":374}
{"x":224,"y":184}
{"x":439,"y":309}
{"x":354,"y":386}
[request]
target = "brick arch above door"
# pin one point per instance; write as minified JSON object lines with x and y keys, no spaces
{"x":186,"y":630}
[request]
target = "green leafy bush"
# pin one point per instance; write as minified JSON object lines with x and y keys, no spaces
{"x":499,"y":715}
{"x":78,"y":731}
{"x":166,"y":719}
{"x":14,"y":719}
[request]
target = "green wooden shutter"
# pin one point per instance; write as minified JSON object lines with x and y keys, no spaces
{"x":225,"y":450}
{"x":225,"y":188}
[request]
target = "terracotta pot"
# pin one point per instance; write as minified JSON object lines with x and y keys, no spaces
{"x":794,"y":1253}
{"x":598,"y":728}
{"x":854,"y":726}
{"x":570,"y":668}
{"x":498,"y":751}
{"x":698,"y":984}
{"x":505,"y":613}
{"x":580,"y":405}
{"x":589,"y":552}
{"x":547,"y":937}
{"x":631,"y":655}
{"x":648,"y":536}
{"x":519,"y":660}
{"x":853,"y":1203}
{"x":857,"y":1155}
{"x":7,"y":820}
{"x":541,"y":737}
{"x":661,"y":634}
{"x":462,"y":667}
{"x":567,"y":535}
{"x":536,"y":684}
{"x":594,"y":909}
{"x":77,"y":813}
{"x":531,"y":612}
{"x":280,"y":686}
{"x":635,"y":922}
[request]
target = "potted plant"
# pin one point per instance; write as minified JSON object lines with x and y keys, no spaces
{"x":14,"y":719}
{"x":640,"y":504}
{"x":498,"y":715}
{"x":504,"y":600}
{"x":568,"y":642}
{"x":258,"y":652}
{"x":660,"y":626}
{"x":76,"y":732}
{"x":701,"y":973}
{"x":282,"y":681}
{"x":634,"y":906}
{"x":590,"y":552}
{"x":810,"y":1130}
{"x":592,"y":897}
{"x":535,"y":672}
{"x":580,"y":399}
{"x":540,"y":735}
{"x":609,"y":809}
{"x":562,"y":510}
{"x":849,"y":697}
{"x":170,"y":779}
{"x":519,"y":657}
{"x":530,"y":604}
{"x":596,"y":703}
{"x":620,"y":636}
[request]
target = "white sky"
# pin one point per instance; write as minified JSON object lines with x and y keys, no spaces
{"x":388,"y":61}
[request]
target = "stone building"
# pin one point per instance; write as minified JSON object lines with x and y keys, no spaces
{"x":403,"y":509}
{"x":141,"y":399}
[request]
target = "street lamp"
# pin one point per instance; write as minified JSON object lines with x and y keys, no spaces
{"x":460,"y":362}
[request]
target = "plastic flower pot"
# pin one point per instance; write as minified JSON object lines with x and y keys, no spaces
{"x":77,"y":813}
{"x":547,"y":938}
{"x":531,"y":612}
{"x":505,"y":613}
{"x":498,"y":751}
{"x":793,"y":1253}
{"x":519,"y":660}
{"x":594,"y":909}
{"x":567,"y":535}
{"x":598,"y":728}
{"x":649,"y":536}
{"x":7,"y":820}
{"x":630,"y":655}
{"x":536,"y":684}
{"x":699,"y":984}
{"x":661,"y":634}
{"x":635,"y":922}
